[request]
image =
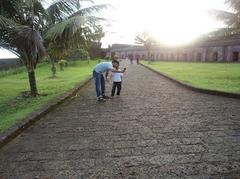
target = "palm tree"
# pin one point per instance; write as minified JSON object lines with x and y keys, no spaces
{"x":24,"y":23}
{"x":147,"y":41}
{"x":19,"y":32}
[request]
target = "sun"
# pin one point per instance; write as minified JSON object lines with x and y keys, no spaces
{"x":171,"y":22}
{"x":177,"y":22}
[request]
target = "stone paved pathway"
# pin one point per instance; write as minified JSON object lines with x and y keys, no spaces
{"x":156,"y":129}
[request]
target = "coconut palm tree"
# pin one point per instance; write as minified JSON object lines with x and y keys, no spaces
{"x":23,"y":24}
{"x":20,"y":22}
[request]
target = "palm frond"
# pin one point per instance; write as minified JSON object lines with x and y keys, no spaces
{"x":23,"y":40}
{"x":8,"y":7}
{"x":69,"y":27}
{"x":94,"y":21}
{"x":91,"y":10}
{"x":60,"y":9}
{"x":65,"y":28}
{"x":39,"y":9}
{"x":6,"y":22}
{"x":12,"y":9}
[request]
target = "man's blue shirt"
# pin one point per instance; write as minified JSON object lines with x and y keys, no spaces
{"x":103,"y":67}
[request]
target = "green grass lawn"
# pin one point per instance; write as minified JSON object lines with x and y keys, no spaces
{"x":14,"y":107}
{"x":214,"y":76}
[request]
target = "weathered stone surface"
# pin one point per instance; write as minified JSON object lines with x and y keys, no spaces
{"x":156,"y":129}
{"x":218,"y":50}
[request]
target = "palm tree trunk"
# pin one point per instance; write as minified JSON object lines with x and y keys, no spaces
{"x":32,"y":83}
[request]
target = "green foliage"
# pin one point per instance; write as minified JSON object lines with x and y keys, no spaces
{"x":14,"y":107}
{"x":95,"y":50}
{"x":77,"y":54}
{"x":18,"y":31}
{"x":65,"y":27}
{"x":56,"y":51}
{"x":12,"y":71}
{"x":58,"y":10}
{"x":24,"y":23}
{"x":82,"y":54}
{"x":62,"y":64}
{"x":214,"y":76}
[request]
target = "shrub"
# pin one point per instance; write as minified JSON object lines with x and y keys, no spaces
{"x":77,"y":54}
{"x":62,"y":64}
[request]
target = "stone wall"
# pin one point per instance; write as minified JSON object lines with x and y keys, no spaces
{"x":208,"y":51}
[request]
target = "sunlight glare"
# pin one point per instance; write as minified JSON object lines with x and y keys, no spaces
{"x":176,"y":22}
{"x":172,"y":22}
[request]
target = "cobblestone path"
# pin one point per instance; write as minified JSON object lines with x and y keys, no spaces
{"x":156,"y":129}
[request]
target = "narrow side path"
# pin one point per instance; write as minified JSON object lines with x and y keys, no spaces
{"x":156,"y":129}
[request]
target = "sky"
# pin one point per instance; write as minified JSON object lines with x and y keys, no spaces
{"x":171,"y":22}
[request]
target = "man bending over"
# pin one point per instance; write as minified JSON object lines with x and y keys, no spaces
{"x":104,"y":67}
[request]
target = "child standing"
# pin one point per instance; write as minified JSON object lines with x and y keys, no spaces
{"x":117,"y":82}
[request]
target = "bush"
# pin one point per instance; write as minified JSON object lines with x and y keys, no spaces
{"x":62,"y":64}
{"x":77,"y":54}
{"x":12,"y":71}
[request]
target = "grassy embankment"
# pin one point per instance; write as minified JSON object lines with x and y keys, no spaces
{"x":214,"y":76}
{"x":14,"y":107}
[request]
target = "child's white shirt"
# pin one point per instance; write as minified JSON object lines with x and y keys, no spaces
{"x":117,"y":76}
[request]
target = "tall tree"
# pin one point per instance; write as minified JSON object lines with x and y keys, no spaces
{"x":20,"y":22}
{"x":147,"y":41}
{"x":230,"y":18}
